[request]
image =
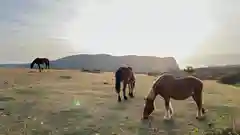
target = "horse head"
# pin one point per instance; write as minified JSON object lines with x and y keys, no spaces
{"x":148,"y":108}
{"x":31,"y":66}
{"x":33,"y":62}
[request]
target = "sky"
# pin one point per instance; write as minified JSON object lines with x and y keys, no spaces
{"x":57,"y":28}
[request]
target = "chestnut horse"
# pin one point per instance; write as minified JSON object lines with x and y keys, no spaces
{"x":40,"y":61}
{"x":167,"y":86}
{"x":125,"y":75}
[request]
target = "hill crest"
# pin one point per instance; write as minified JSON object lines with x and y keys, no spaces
{"x":106,"y":62}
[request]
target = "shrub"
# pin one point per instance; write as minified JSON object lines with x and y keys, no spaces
{"x":91,"y":71}
{"x":230,"y":79}
{"x":153,"y":74}
{"x":189,"y":69}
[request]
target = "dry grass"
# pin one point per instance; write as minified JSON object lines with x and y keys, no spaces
{"x":75,"y":103}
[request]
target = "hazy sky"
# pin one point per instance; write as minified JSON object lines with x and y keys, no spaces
{"x":56,"y":28}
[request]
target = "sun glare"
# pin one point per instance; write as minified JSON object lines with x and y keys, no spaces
{"x":160,"y":28}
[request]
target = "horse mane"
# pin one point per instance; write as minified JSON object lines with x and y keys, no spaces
{"x":160,"y":78}
{"x":45,"y":59}
{"x":34,"y":61}
{"x":152,"y":93}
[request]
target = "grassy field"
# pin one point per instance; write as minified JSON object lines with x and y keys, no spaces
{"x":62,"y":102}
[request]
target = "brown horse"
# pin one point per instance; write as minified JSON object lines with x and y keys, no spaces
{"x":167,"y":86}
{"x":125,"y":75}
{"x":40,"y":61}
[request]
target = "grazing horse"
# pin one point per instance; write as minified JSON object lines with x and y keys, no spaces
{"x":40,"y":61}
{"x":125,"y":75}
{"x":167,"y":86}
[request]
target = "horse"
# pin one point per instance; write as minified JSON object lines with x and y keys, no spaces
{"x":40,"y":61}
{"x":169,"y":87}
{"x":125,"y":75}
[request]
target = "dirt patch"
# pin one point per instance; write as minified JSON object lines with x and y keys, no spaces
{"x":65,"y":77}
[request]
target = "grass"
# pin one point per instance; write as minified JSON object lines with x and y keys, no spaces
{"x":237,"y":85}
{"x":75,"y":103}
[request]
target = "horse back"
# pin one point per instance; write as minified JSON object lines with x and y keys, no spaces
{"x":126,"y":73}
{"x":177,"y":88}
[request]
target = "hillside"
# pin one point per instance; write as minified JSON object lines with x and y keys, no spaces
{"x":111,"y":63}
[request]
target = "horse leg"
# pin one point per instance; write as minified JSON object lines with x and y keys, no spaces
{"x":124,"y":89}
{"x":130,"y":87}
{"x":47,"y":65}
{"x":118,"y":81}
{"x":39,"y":68}
{"x":170,"y":109}
{"x":197,"y":97}
{"x":129,"y":90}
{"x":168,"y":113}
{"x":118,"y":93}
{"x":119,"y":97}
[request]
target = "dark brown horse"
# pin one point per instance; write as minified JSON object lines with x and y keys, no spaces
{"x":167,"y":86}
{"x":40,"y":61}
{"x":125,"y":75}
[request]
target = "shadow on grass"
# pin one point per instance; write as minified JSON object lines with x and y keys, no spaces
{"x":159,"y":126}
{"x":121,"y":106}
{"x":29,"y":91}
{"x":2,"y":98}
{"x":33,"y":71}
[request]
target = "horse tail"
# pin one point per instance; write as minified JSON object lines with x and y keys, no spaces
{"x":118,"y":77}
{"x":201,"y":98}
{"x":198,"y":92}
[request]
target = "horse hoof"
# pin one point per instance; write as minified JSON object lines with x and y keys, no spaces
{"x":204,"y":111}
{"x":200,"y":117}
{"x":131,"y":95}
{"x":119,"y":99}
{"x":166,"y":118}
{"x":144,"y":118}
{"x":125,"y":98}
